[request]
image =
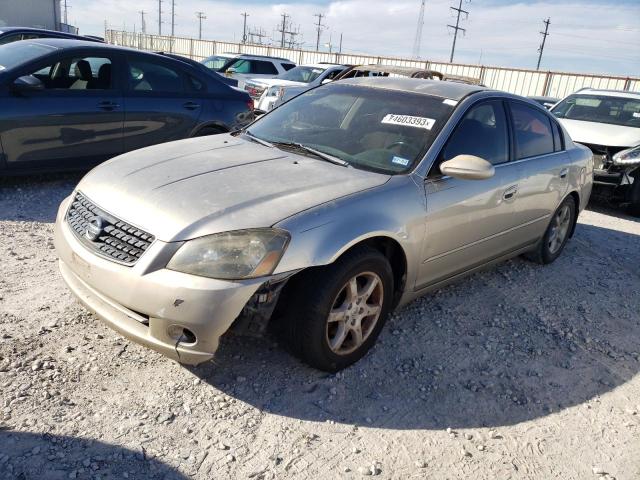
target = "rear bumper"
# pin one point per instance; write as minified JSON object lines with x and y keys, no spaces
{"x":148,"y":303}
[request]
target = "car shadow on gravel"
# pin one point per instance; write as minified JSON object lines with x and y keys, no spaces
{"x":511,"y":344}
{"x":611,"y":210}
{"x":35,"y":198}
{"x":34,"y":456}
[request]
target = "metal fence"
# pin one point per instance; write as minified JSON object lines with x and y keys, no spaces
{"x":514,"y":80}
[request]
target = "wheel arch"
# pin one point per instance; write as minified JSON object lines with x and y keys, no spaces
{"x":212,"y":124}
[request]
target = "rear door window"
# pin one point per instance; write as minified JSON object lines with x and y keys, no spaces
{"x":145,"y":76}
{"x":261,"y":67}
{"x":532,"y":130}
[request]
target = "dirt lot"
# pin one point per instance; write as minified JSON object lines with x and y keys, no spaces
{"x":519,"y":372}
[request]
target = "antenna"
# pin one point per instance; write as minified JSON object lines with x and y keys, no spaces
{"x":418,"y":39}
{"x":456,"y":28}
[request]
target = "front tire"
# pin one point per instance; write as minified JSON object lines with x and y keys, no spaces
{"x":557,"y":234}
{"x":634,"y":195}
{"x":337,"y":312}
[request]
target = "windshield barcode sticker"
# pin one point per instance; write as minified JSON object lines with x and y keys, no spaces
{"x":409,"y":121}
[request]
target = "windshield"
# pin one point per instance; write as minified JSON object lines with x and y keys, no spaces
{"x":17,"y":53}
{"x":371,"y":128}
{"x":216,"y":62}
{"x":600,"y":108}
{"x":302,"y":74}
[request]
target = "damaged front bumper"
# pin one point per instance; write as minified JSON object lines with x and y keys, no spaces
{"x":179,"y":315}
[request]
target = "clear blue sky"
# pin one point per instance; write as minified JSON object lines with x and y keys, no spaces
{"x":597,"y":36}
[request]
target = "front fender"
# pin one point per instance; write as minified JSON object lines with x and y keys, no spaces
{"x":322,"y":234}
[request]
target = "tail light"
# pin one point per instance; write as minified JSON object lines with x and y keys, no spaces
{"x":250,"y":104}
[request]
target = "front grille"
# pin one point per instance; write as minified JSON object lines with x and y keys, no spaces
{"x":112,"y":238}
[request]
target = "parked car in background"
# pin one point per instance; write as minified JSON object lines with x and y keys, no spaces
{"x":69,"y":104}
{"x":608,"y":122}
{"x":546,"y":102}
{"x":396,"y":71}
{"x":243,"y":67}
{"x":14,"y":34}
{"x":267,"y":92}
{"x":324,"y":215}
{"x":216,"y":62}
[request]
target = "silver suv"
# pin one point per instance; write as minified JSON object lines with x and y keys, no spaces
{"x":242,"y":67}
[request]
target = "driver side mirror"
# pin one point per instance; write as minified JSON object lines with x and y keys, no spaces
{"x":326,"y":80}
{"x":27,"y":83}
{"x":230,"y":71}
{"x":467,"y":167}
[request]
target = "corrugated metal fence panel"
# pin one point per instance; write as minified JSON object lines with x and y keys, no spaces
{"x":562,"y":84}
{"x":518,"y":81}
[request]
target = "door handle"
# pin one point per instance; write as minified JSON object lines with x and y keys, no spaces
{"x":564,"y":172}
{"x":510,"y":192}
{"x":108,"y":105}
{"x":191,"y":105}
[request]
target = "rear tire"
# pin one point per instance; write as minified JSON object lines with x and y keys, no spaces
{"x":331,"y":321}
{"x":557,"y":234}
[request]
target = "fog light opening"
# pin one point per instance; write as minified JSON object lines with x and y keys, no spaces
{"x":181,"y":335}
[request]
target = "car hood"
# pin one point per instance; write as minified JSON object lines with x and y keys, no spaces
{"x":190,"y":188}
{"x":270,"y":82}
{"x":603,"y":134}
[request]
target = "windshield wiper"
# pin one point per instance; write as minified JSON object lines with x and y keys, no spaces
{"x":257,"y":139}
{"x":313,"y":151}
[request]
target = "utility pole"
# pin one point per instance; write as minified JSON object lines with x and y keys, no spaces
{"x":244,"y":27}
{"x":459,"y":11}
{"x":201,"y":16}
{"x":283,"y":29}
{"x":66,"y":8}
{"x":173,"y":17}
{"x":159,"y":17}
{"x":144,"y":25}
{"x":318,"y":29}
{"x":418,"y":39}
{"x":340,"y":49}
{"x":544,"y":34}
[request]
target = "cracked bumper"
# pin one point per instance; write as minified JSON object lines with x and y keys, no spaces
{"x":148,"y":303}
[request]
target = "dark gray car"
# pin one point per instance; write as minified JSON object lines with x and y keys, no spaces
{"x":69,"y":104}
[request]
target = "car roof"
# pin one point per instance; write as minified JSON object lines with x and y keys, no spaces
{"x":608,"y":93}
{"x":47,"y":31}
{"x":438,"y":88}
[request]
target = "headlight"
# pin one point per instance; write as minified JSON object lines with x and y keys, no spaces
{"x":630,"y":156}
{"x":232,"y":255}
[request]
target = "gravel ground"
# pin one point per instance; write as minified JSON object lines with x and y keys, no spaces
{"x":519,"y":372}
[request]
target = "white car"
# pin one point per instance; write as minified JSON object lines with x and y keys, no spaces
{"x":242,"y":67}
{"x":267,"y":91}
{"x":608,"y":122}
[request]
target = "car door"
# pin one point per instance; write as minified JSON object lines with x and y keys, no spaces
{"x":73,"y":120}
{"x":470,"y":222}
{"x":539,"y":149}
{"x":159,"y":107}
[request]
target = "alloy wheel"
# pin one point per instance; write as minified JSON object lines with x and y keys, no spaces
{"x":559,"y":229}
{"x":355,"y":313}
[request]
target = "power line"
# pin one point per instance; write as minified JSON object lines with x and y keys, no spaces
{"x":459,"y":11}
{"x":244,"y":28}
{"x":319,"y":27}
{"x":418,"y":39}
{"x":285,"y":29}
{"x":201,"y":16}
{"x":143,"y":25}
{"x":544,"y":38}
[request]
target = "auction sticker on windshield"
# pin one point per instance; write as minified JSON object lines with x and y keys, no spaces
{"x":409,"y":121}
